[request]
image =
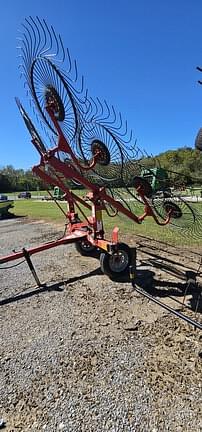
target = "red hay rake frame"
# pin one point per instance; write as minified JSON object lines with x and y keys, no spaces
{"x":92,"y":229}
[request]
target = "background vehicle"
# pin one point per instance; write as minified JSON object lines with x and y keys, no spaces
{"x":157,"y":178}
{"x":24,"y":195}
{"x":3,"y":197}
{"x":58,"y":194}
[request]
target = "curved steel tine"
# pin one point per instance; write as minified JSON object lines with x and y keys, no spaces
{"x":50,"y":38}
{"x":101,"y":106}
{"x":141,"y":152}
{"x":26,"y":56}
{"x":82,"y":85}
{"x":27,"y":36}
{"x":118,"y":126}
{"x":23,"y":55}
{"x":89,"y":111}
{"x":125,"y":133}
{"x":56,"y":41}
{"x":29,"y":44}
{"x":21,"y":41}
{"x":86,"y":96}
{"x":26,"y":86}
{"x":77,"y":91}
{"x":69,"y":60}
{"x":39,"y":37}
{"x":59,"y":45}
{"x":84,"y":106}
{"x":94,"y":113}
{"x":76,"y":71}
{"x":108,"y":111}
{"x":63,"y":49}
{"x":42,"y":50}
{"x":114,"y":113}
{"x":121,"y":122}
{"x":130,"y":136}
{"x":99,"y":110}
{"x":34,"y":38}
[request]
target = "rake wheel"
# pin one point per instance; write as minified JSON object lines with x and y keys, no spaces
{"x":49,"y":86}
{"x":94,"y":136}
{"x":184,"y":218}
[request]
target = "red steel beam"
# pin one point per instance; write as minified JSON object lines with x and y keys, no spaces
{"x":70,"y":238}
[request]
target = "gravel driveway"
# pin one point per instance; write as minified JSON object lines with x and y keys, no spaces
{"x":85,"y":353}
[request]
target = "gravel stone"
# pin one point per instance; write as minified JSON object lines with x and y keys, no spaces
{"x":86,"y":354}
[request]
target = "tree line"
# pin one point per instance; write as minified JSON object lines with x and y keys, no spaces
{"x":184,"y":166}
{"x":14,"y":180}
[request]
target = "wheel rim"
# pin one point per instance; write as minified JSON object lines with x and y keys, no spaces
{"x":87,"y":246}
{"x":119,"y":261}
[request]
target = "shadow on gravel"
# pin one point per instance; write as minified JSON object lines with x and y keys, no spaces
{"x":10,"y":216}
{"x":165,"y":264}
{"x":174,"y":290}
{"x":44,"y":288}
{"x":145,"y":279}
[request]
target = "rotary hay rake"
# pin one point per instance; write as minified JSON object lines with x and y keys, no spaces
{"x":85,"y":142}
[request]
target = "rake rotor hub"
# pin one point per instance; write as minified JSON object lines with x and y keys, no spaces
{"x":54,"y":100}
{"x":100,"y":150}
{"x":171,"y":207}
{"x":142,"y":186}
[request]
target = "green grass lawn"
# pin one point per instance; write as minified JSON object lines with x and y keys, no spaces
{"x":48,"y":211}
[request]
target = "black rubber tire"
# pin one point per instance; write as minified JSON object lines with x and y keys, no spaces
{"x":85,"y":248}
{"x":107,"y":265}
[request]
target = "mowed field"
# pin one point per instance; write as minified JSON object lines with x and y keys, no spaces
{"x":48,"y":211}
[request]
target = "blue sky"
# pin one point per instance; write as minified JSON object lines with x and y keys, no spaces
{"x":141,"y":56}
